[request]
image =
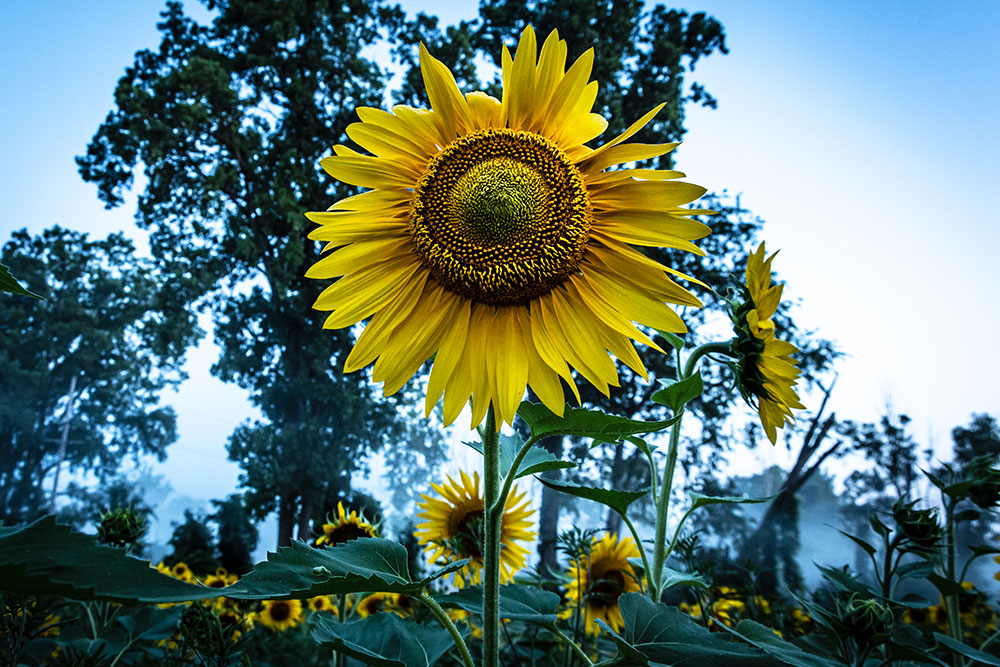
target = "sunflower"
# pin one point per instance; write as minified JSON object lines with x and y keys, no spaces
{"x":345,"y":527}
{"x":490,"y":237}
{"x":181,"y":571}
{"x":279,"y":615}
{"x":400,"y":604}
{"x":322,"y":603}
{"x":765,"y":368}
{"x":597,"y":581}
{"x":453,"y":529}
{"x":220,"y":580}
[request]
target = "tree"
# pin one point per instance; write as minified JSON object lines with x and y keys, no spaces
{"x":84,"y":369}
{"x":237,"y":535}
{"x":229,"y":122}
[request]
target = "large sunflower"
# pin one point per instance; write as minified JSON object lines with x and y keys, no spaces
{"x":599,"y":578}
{"x":345,"y":527}
{"x":765,"y":367}
{"x":493,"y":239}
{"x":453,"y":529}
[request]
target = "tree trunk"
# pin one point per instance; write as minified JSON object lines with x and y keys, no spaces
{"x":286,"y":515}
{"x":305,"y":518}
{"x":548,"y":515}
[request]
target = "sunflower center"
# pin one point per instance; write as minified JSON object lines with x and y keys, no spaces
{"x":606,"y":588}
{"x":280,"y":611}
{"x":345,"y":532}
{"x":467,"y":537}
{"x":501,"y":216}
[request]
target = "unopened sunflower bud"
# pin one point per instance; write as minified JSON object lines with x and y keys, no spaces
{"x":123,"y":527}
{"x":919,"y":526}
{"x":864,"y":617}
{"x":985,"y":490}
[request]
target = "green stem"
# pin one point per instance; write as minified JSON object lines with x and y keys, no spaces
{"x":340,"y":659}
{"x":701,"y":351}
{"x":638,"y":544}
{"x":442,"y":616}
{"x":951,"y":601}
{"x":552,"y":627}
{"x":491,"y":542}
{"x":662,"y":510}
{"x":509,"y":479}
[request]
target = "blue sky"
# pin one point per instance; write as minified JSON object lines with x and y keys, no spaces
{"x":860,"y":131}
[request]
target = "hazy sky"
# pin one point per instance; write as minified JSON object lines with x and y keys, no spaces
{"x":860,"y":131}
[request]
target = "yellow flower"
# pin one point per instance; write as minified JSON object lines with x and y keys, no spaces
{"x":598,"y":580}
{"x":279,"y":615}
{"x":453,"y":527}
{"x":345,"y":527}
{"x":322,"y":603}
{"x":182,"y":571}
{"x":491,"y":238}
{"x":397,"y":603}
{"x":765,"y":367}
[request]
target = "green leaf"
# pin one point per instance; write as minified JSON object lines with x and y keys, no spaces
{"x":46,"y":558}
{"x":844,"y":580}
{"x":869,"y":549}
{"x":9,"y":284}
{"x":672,"y":577}
{"x":673,"y":340}
{"x":585,"y":423}
{"x":701,"y":500}
{"x":984,"y":550}
{"x":365,"y":565}
{"x":915,"y":570}
{"x":877,"y":526}
{"x":676,"y":394}
{"x":517,"y":603}
{"x":616,"y":500}
{"x":384,"y":639}
{"x":764,"y":638}
{"x":663,"y":634}
{"x":967,"y":651}
{"x":537,"y":459}
{"x":945,"y":586}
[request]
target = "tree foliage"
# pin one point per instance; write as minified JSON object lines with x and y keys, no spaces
{"x":112,"y":329}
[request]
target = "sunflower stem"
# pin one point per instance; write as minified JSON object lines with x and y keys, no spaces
{"x":553,"y":628}
{"x":491,"y":546}
{"x":442,"y":616}
{"x":638,"y":544}
{"x":509,"y":479}
{"x":701,"y":351}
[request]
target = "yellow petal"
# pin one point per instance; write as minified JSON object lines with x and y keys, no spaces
{"x":444,"y":95}
{"x":632,"y":129}
{"x":626,"y":153}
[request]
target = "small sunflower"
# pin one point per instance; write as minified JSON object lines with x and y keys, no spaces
{"x":493,"y":239}
{"x":765,"y":368}
{"x":453,"y":529}
{"x":397,"y":603}
{"x":279,"y":615}
{"x":219,"y":580}
{"x":322,"y":603}
{"x":599,"y":578}
{"x":345,"y":527}
{"x":181,"y":571}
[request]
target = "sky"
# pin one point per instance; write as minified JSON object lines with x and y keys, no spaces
{"x":860,"y":131}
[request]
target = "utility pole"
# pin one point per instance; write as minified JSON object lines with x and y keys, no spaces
{"x":66,"y":418}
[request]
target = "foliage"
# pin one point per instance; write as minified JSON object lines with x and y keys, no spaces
{"x":107,"y":340}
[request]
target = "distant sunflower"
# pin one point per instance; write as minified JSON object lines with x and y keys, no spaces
{"x":599,"y":578}
{"x":345,"y":527}
{"x":453,"y":529}
{"x":220,"y":580}
{"x":493,"y":239}
{"x":765,"y":368}
{"x":399,"y":604}
{"x":181,"y":571}
{"x":279,"y":615}
{"x":322,"y":603}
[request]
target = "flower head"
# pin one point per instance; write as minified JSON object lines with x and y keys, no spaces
{"x":453,"y":528}
{"x":599,"y":578}
{"x":322,"y":603}
{"x":765,"y":370}
{"x":345,"y":527}
{"x":493,"y":239}
{"x":279,"y":615}
{"x":401,"y":605}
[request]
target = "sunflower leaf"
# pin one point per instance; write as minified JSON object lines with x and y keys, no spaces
{"x":384,"y":639}
{"x":660,"y":634}
{"x":617,"y":500}
{"x":517,"y":603}
{"x":535,"y":461}
{"x":369,"y":564}
{"x":46,"y":558}
{"x":9,"y":284}
{"x":701,"y":500}
{"x":967,"y":651}
{"x":674,"y":340}
{"x":764,"y":638}
{"x":585,"y":423}
{"x":675,"y":395}
{"x":672,"y":578}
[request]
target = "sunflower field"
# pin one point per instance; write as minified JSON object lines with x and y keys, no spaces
{"x":519,"y":258}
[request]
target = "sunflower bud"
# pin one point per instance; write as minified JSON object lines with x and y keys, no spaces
{"x":864,"y":617}
{"x":985,"y":490}
{"x":919,"y":526}
{"x":123,"y":527}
